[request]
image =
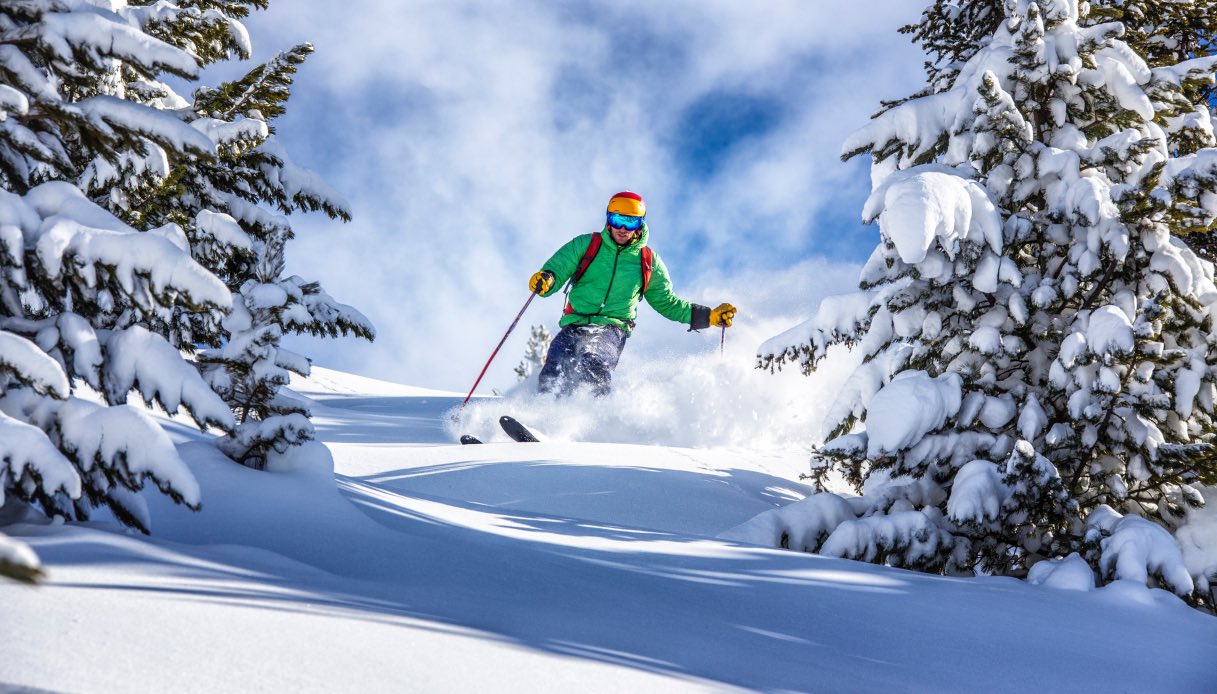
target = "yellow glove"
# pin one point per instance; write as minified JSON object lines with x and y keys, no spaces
{"x":541,"y":282}
{"x":722,"y":315}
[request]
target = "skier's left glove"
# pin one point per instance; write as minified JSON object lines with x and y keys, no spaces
{"x":722,"y":315}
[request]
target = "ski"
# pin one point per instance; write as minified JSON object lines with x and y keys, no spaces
{"x":516,"y":430}
{"x":467,"y":439}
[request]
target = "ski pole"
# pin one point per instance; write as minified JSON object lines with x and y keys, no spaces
{"x":496,"y":349}
{"x":722,"y":341}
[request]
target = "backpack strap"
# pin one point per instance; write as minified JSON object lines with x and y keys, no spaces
{"x":593,"y":247}
{"x":648,"y":262}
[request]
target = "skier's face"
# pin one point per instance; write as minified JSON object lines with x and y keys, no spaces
{"x":621,"y":236}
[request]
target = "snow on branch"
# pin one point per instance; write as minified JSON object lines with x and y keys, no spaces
{"x":30,"y":461}
{"x":158,"y":126}
{"x":96,"y":35}
{"x":25,"y":361}
{"x":221,"y":230}
{"x":256,"y":437}
{"x":837,"y":319}
{"x":325,"y":316}
{"x":903,"y":538}
{"x":224,"y":133}
{"x":1070,"y":573}
{"x":978,"y":493}
{"x":801,"y":526}
{"x":1197,"y":69}
{"x":130,"y":445}
{"x":928,"y":204}
{"x":910,"y":406}
{"x":300,"y":187}
{"x":74,"y":230}
{"x":144,"y":360}
{"x":12,"y":101}
{"x":1136,"y":549}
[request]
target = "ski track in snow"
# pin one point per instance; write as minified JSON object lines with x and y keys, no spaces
{"x":423,"y":565}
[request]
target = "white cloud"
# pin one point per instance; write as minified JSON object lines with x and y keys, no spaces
{"x":473,"y":138}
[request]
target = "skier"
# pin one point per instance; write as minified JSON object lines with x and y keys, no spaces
{"x":609,"y":272}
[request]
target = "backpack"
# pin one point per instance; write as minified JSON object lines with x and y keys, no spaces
{"x":593,"y":247}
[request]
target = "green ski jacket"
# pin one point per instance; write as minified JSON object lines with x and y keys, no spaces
{"x":609,"y":291}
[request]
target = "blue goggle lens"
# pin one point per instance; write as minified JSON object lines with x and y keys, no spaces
{"x":624,"y":221}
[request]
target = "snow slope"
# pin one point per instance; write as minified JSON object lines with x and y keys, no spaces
{"x":413,"y":564}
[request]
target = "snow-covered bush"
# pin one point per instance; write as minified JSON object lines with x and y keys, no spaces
{"x":1037,"y":344}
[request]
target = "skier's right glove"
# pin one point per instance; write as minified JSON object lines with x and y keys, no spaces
{"x":541,"y":282}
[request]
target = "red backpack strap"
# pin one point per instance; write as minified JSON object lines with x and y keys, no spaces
{"x":593,"y":247}
{"x":648,"y":262}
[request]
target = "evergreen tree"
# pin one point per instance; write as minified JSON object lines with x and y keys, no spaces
{"x":230,"y":209}
{"x":1162,"y":32}
{"x":77,"y":284}
{"x":239,"y":238}
{"x":250,"y":369}
{"x":535,"y":352}
{"x":1037,"y":343}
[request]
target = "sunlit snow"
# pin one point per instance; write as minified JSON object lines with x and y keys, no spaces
{"x":406,"y":562}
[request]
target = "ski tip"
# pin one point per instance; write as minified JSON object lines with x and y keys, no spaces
{"x":467,"y":439}
{"x":517,"y":431}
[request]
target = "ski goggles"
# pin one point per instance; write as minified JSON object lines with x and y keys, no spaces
{"x":624,"y":221}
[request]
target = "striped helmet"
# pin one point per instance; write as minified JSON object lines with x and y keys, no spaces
{"x":629,"y":203}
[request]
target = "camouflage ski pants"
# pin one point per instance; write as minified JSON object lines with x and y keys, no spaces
{"x":582,"y":355}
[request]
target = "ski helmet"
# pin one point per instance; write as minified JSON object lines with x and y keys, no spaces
{"x":628,"y":203}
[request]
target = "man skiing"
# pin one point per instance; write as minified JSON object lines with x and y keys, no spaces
{"x":609,"y":272}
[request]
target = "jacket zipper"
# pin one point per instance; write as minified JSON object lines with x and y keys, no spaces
{"x":612,"y":278}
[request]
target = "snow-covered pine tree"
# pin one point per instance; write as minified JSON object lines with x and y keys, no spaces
{"x":535,"y":352}
{"x":227,"y":207}
{"x":251,"y":367}
{"x":1162,"y":32}
{"x":235,"y":211}
{"x":231,"y":209}
{"x":1037,"y":345}
{"x":76,"y":283}
{"x":244,"y":241}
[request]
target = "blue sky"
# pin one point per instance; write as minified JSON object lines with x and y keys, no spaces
{"x":474,"y":138}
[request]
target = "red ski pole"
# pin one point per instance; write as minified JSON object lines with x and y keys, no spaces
{"x":496,"y":349}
